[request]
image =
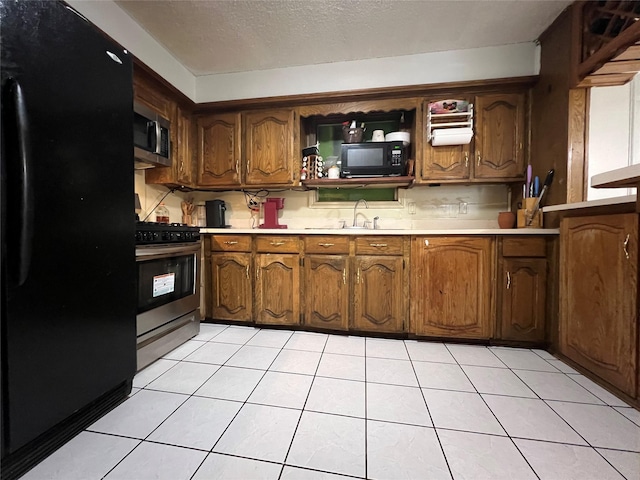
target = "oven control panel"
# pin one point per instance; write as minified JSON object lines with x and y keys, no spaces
{"x":156,"y":233}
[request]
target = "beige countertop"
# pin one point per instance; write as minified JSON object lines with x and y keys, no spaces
{"x":362,"y":231}
{"x":621,"y":177}
{"x":602,"y":202}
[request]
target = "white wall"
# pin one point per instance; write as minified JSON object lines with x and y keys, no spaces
{"x":450,"y":66}
{"x":435,"y":207}
{"x":611,"y":135}
{"x":110,"y":18}
{"x":459,"y":65}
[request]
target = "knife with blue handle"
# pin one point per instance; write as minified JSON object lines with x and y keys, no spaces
{"x":536,"y":186}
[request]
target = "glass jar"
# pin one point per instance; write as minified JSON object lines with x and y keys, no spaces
{"x":162,"y":213}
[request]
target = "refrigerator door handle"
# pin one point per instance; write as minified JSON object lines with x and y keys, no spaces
{"x":19,"y":256}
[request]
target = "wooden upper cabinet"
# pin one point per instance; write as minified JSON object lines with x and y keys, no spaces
{"x":445,"y":162}
{"x":269,"y":139}
{"x":145,"y":92}
{"x":277,"y":290}
{"x":180,"y":173}
{"x":219,"y":150}
{"x":598,"y":296}
{"x":184,"y":149}
{"x":451,"y":286}
{"x":499,"y":136}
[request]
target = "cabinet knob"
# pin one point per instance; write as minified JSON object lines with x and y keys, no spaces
{"x":277,"y":244}
{"x":247,"y":269}
{"x":358,"y":275}
{"x":326,"y":245}
{"x":344,"y":276}
{"x":426,"y":242}
{"x":479,"y":158}
{"x":508,"y":280}
{"x":466,"y":159}
{"x":230,"y":242}
{"x":378,"y":245}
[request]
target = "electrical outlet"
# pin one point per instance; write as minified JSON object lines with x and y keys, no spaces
{"x":412,"y":208}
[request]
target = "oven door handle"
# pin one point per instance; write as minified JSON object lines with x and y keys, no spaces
{"x":165,"y":250}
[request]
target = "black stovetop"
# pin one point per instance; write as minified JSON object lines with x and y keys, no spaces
{"x":154,"y":233}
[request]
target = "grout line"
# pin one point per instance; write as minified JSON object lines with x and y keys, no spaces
{"x":446,"y":460}
{"x":366,"y":419}
{"x":495,"y":416}
{"x":295,"y":430}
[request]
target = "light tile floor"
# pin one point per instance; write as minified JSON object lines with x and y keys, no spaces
{"x":244,"y":403}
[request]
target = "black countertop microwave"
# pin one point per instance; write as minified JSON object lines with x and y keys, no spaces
{"x":373,"y":159}
{"x":151,"y":138}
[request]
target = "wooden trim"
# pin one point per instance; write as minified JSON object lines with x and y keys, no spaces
{"x":175,"y":94}
{"x":616,"y":46}
{"x":576,"y":180}
{"x":610,"y":80}
{"x":502,"y":85}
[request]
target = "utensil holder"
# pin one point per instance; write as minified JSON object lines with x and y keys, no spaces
{"x":525,"y":213}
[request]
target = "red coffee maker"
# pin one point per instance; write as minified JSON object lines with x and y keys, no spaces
{"x":270,"y":209}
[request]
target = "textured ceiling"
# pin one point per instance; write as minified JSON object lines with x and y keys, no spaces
{"x":223,"y":36}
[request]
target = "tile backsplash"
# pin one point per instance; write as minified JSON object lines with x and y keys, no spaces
{"x":445,"y":206}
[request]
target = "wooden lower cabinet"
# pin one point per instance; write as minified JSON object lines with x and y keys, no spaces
{"x":522,"y":299}
{"x":326,"y":287}
{"x":277,"y":289}
{"x":231,"y":289}
{"x":378,"y":294}
{"x":451,"y":286}
{"x":521,"y":288}
{"x":598,"y":296}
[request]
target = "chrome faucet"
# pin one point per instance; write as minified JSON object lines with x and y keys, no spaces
{"x":355,"y":208}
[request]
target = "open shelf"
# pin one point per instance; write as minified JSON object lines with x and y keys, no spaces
{"x":371,"y":182}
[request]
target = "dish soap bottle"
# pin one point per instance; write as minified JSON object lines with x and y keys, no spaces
{"x":162,"y":214}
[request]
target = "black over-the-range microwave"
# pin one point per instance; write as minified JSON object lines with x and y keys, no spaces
{"x":151,"y":138}
{"x":373,"y":159}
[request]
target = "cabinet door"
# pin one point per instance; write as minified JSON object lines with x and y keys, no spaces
{"x":183,"y":146}
{"x":219,"y":150}
{"x":147,"y":93}
{"x":523,"y":289}
{"x":326,"y":291}
{"x":269,"y":140}
{"x":231,"y":286}
{"x":500,"y":136}
{"x":598,"y":296}
{"x":378,"y":294}
{"x":451,"y":286}
{"x":277,"y":289}
{"x":446,"y":162}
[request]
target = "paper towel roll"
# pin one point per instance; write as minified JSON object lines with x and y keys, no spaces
{"x":451,"y":136}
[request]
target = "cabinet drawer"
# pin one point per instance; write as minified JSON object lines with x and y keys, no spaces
{"x":370,"y":245}
{"x":326,"y":244}
{"x":231,"y":243}
{"x":277,"y":243}
{"x":524,"y":247}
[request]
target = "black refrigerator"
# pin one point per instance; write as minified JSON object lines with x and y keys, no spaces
{"x":68,"y":339}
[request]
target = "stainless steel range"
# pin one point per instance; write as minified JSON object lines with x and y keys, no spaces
{"x":168,"y":265}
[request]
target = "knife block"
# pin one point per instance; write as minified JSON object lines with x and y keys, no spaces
{"x":523,"y":214}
